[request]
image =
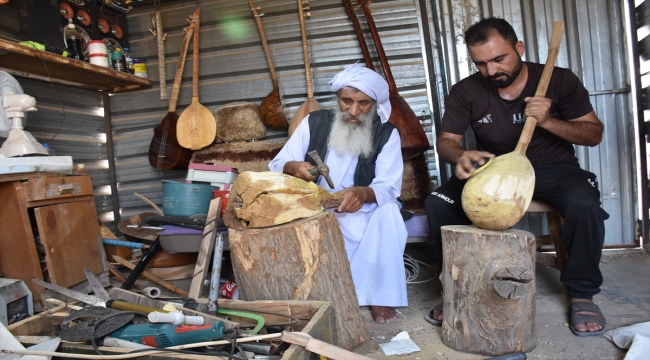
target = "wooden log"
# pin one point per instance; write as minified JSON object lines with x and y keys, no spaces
{"x":301,"y":260}
{"x":263,"y":199}
{"x":488,"y":282}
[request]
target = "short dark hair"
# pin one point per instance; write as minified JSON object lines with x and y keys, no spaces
{"x":480,"y":32}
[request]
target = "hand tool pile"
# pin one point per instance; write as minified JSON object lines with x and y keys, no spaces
{"x":109,"y":322}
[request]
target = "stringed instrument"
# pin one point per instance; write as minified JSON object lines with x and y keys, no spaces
{"x":271,"y":112}
{"x":414,"y":140}
{"x":164,"y":151}
{"x":349,"y":9}
{"x":196,"y":127}
{"x":310,"y":105}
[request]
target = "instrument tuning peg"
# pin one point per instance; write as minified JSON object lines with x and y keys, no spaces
{"x":307,"y":14}
{"x":260,"y":15}
{"x":257,"y":8}
{"x":306,"y":8}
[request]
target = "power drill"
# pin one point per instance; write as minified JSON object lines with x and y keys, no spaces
{"x":166,"y":335}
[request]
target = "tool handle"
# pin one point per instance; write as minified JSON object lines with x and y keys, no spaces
{"x":314,"y":171}
{"x":125,"y":306}
{"x":542,"y":86}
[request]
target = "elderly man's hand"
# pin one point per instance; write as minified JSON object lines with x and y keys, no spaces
{"x":300,"y":169}
{"x":354,"y":197}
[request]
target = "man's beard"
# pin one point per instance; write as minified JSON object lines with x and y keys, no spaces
{"x":510,"y":78}
{"x":352,"y":138}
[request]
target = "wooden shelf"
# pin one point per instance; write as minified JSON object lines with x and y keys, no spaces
{"x":28,"y":62}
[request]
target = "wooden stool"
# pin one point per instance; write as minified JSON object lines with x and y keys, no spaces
{"x":555,"y":224}
{"x":488,"y":282}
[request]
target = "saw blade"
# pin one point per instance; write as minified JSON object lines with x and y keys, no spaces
{"x":98,"y":289}
{"x":88,"y":299}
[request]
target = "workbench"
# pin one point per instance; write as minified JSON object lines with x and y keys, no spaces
{"x":48,"y":230}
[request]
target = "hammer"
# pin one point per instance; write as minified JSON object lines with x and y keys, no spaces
{"x":320,"y":168}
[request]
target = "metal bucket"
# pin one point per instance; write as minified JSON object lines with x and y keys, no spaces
{"x":180,"y":199}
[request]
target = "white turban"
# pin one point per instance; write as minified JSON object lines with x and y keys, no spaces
{"x":368,"y":81}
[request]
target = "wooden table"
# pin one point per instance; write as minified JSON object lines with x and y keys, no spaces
{"x":59,"y":212}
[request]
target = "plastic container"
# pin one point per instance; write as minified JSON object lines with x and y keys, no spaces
{"x":118,"y":60}
{"x":128,"y":60}
{"x":97,"y":53}
{"x":181,"y":199}
{"x":140,"y":68}
{"x":74,"y":42}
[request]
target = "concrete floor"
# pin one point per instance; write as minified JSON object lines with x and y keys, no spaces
{"x":625,"y":300}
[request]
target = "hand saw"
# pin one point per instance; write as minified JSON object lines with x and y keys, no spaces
{"x":96,"y":301}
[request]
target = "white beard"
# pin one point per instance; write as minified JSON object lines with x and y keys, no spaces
{"x":354,"y":139}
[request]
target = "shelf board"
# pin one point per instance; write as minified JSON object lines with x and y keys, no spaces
{"x":28,"y":62}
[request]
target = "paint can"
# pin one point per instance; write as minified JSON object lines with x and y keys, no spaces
{"x":140,"y":68}
{"x":97,"y":53}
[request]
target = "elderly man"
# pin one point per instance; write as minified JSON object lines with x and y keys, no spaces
{"x":495,"y":102}
{"x":362,"y":150}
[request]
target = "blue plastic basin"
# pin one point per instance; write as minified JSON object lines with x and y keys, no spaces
{"x":181,"y":199}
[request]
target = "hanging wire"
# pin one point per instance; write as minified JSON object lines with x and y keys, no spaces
{"x":412,"y":270}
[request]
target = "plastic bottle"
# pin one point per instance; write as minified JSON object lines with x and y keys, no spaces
{"x":117,"y":60}
{"x":128,"y":60}
{"x":73,"y":42}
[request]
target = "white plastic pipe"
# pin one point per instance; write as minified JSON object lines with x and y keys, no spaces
{"x":175,"y":318}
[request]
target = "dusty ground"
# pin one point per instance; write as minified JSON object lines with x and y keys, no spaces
{"x":625,"y":300}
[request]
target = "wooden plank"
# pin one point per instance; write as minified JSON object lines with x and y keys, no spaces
{"x":18,"y":255}
{"x":26,"y":61}
{"x":69,"y":233}
{"x":320,"y":347}
{"x":38,"y":325}
{"x":206,"y":249}
{"x":128,"y":296}
{"x":322,"y":327}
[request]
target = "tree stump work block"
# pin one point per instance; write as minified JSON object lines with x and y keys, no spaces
{"x":488,"y":283}
{"x":301,"y":260}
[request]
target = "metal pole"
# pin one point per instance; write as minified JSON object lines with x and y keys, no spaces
{"x":110,"y":154}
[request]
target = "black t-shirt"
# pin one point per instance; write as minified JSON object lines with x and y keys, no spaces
{"x":497,"y":123}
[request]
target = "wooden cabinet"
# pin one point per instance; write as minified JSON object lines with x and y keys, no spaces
{"x":59,"y":212}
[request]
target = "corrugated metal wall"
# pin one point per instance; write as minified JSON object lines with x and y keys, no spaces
{"x":233,"y":68}
{"x":594,"y":48}
{"x":70,"y":119}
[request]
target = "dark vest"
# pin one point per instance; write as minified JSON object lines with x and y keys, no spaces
{"x":320,"y":125}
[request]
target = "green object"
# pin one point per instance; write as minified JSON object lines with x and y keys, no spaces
{"x":41,"y":47}
{"x":258,"y":318}
{"x":313,"y":171}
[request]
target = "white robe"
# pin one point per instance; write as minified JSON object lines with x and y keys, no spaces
{"x":375,"y":236}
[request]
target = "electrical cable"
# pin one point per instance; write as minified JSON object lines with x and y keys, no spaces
{"x":48,"y":74}
{"x":412,"y":270}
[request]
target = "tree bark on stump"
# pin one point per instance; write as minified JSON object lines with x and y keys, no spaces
{"x":488,"y":282}
{"x":301,"y":260}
